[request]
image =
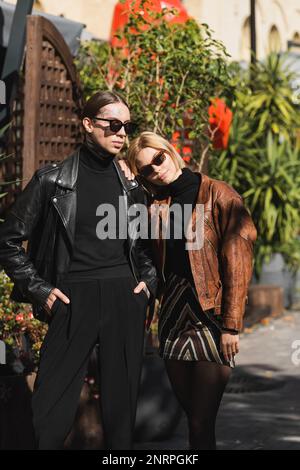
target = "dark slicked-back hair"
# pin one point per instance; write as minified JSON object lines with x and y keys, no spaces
{"x":98,"y":101}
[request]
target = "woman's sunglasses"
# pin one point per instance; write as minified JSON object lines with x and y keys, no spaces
{"x":115,"y":125}
{"x":157,"y":160}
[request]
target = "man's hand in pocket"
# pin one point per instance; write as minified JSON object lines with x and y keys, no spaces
{"x":142,"y":286}
{"x":55,"y":294}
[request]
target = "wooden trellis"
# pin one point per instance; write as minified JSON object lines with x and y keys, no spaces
{"x":45,"y":125}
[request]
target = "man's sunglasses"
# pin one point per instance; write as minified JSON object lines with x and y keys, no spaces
{"x":157,"y":160}
{"x":115,"y":125}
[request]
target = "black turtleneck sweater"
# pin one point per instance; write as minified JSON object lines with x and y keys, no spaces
{"x":183,"y":190}
{"x":98,"y":183}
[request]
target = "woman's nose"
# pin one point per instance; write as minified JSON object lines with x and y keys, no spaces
{"x":158,"y":168}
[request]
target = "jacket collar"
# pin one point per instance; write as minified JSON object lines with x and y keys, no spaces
{"x":127,"y":184}
{"x":68,"y":173}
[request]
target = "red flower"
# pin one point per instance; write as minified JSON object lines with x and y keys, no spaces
{"x":220,"y":118}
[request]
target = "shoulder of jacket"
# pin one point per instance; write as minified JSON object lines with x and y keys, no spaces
{"x":221,"y":188}
{"x":49,"y":168}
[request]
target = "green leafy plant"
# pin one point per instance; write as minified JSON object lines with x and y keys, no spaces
{"x":272,"y":105}
{"x":167,"y":72}
{"x":20,"y":331}
{"x":269,"y":180}
{"x":262,"y":159}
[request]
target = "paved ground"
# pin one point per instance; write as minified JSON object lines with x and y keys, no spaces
{"x":265,"y":419}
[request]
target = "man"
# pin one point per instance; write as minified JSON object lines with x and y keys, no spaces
{"x":91,"y":290}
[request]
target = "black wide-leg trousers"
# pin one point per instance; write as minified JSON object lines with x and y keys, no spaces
{"x":104,"y":311}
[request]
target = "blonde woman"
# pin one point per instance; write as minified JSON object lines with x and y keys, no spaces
{"x":203,"y":289}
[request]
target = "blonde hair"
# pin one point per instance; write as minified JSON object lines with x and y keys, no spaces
{"x":155,"y":141}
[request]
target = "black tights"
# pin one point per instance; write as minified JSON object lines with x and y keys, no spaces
{"x":199,"y":387}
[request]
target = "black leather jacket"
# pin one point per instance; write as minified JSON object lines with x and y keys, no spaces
{"x":44,"y":214}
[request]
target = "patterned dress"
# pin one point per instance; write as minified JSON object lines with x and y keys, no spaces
{"x":185,"y":332}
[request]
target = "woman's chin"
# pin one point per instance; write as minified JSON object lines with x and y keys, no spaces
{"x":163,"y":180}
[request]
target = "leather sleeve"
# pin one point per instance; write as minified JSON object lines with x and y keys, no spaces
{"x":18,"y":227}
{"x":238,"y":235}
{"x":147,"y":269}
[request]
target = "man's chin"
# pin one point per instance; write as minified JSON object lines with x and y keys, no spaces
{"x":115,"y":150}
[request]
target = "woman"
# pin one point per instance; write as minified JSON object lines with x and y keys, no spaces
{"x":92,"y":284}
{"x":204,"y":287}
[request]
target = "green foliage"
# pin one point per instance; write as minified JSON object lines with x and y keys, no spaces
{"x":262,"y":160}
{"x":272,"y":106}
{"x":269,"y":180}
{"x":19,"y":329}
{"x":165,"y":71}
{"x":265,"y":100}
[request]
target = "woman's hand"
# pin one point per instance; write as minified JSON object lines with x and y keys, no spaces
{"x":126,"y":170}
{"x":142,"y":286}
{"x":54,"y":294}
{"x":229,"y":345}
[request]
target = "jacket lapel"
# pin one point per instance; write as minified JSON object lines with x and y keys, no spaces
{"x":65,"y":198}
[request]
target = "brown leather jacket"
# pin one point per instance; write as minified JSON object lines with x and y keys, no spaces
{"x":222,"y":268}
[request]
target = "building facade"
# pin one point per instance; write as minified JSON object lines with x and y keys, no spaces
{"x":277,"y":21}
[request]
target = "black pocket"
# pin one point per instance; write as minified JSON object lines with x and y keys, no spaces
{"x":55,"y":306}
{"x":144,"y":293}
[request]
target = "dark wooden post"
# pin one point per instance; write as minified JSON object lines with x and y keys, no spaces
{"x":252,"y":32}
{"x":32,"y":96}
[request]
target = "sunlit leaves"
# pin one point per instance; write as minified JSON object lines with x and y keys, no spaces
{"x":164,"y":71}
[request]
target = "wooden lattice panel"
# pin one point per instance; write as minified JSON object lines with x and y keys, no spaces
{"x":11,"y":152}
{"x":45,"y":124}
{"x":52,"y":128}
{"x":59,"y":130}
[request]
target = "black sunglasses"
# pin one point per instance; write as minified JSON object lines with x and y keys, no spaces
{"x":157,"y":160}
{"x":115,"y":125}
